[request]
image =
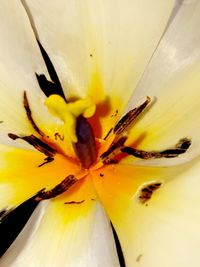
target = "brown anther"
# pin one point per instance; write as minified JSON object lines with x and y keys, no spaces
{"x":180,"y":148}
{"x":29,"y":115}
{"x":59,"y":189}
{"x":36,"y":143}
{"x":126,"y":120}
{"x":114,"y":148}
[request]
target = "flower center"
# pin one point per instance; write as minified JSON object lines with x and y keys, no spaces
{"x":80,"y":135}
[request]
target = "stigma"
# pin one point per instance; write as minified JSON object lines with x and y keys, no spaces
{"x":76,"y":127}
{"x":69,"y":112}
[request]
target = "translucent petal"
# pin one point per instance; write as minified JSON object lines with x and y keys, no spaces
{"x":172,"y":81}
{"x":75,"y":235}
{"x":163,"y":230}
{"x":20,"y":59}
{"x":21,"y":177}
{"x":99,"y":47}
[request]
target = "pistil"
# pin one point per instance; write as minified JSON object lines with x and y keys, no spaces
{"x":76,"y":127}
{"x":85,"y":147}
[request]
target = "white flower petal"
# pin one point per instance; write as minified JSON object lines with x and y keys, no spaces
{"x":85,"y":241}
{"x":167,"y":232}
{"x":20,"y":59}
{"x":100,"y":44}
{"x":169,"y":227}
{"x":172,"y":78}
{"x":164,"y":230}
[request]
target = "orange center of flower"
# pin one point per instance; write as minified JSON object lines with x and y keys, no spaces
{"x":90,"y":153}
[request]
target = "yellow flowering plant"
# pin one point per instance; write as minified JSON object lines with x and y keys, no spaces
{"x":99,"y":133}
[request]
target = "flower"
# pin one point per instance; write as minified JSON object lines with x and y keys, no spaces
{"x":69,"y":141}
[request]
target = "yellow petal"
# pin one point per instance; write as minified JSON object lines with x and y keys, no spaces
{"x":75,"y":235}
{"x":21,"y":177}
{"x":163,"y":231}
{"x":172,"y":78}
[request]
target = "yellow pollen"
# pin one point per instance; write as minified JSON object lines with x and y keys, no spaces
{"x":69,"y":112}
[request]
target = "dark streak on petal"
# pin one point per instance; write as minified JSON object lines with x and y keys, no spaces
{"x":180,"y":148}
{"x":58,"y":189}
{"x":46,"y":160}
{"x":119,"y":249}
{"x":2,"y":213}
{"x":29,"y":115}
{"x":36,"y":143}
{"x":109,"y":132}
{"x":130,"y":117}
{"x":85,"y":148}
{"x":46,"y":86}
{"x":13,"y":222}
{"x":74,"y":202}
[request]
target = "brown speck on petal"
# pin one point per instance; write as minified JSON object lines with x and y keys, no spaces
{"x":57,"y":135}
{"x":147,"y":192}
{"x":139,"y":257}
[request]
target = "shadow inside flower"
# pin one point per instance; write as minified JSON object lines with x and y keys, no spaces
{"x":103,"y":109}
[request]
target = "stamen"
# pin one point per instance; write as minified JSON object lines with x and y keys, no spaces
{"x":36,"y":143}
{"x":29,"y":115}
{"x":114,"y":148}
{"x":180,"y":148}
{"x":58,"y":189}
{"x":130,"y":117}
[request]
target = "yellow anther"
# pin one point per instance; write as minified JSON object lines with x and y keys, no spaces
{"x":68,"y":112}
